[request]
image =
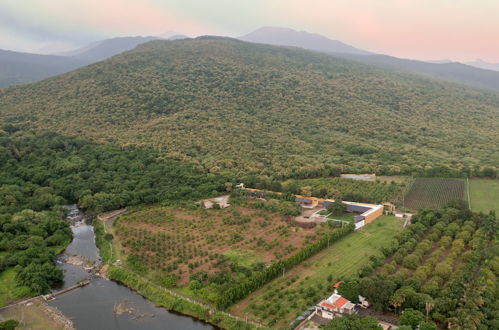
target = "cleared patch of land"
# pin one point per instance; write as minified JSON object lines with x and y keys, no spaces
{"x":484,"y":195}
{"x":434,"y":192}
{"x":282,"y":300}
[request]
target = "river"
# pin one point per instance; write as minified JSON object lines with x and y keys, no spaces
{"x":104,"y":304}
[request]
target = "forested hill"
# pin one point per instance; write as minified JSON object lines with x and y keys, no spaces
{"x":256,"y":108}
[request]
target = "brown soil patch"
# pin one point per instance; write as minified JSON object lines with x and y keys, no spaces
{"x":193,"y":239}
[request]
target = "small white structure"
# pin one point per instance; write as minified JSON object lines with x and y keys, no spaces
{"x":360,"y":224}
{"x":240,"y":185}
{"x":363,"y":302}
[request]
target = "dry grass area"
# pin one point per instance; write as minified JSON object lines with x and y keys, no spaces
{"x":184,"y":241}
{"x":37,"y":315}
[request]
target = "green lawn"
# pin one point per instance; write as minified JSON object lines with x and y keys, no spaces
{"x":9,"y":292}
{"x":346,"y":217}
{"x":484,"y":195}
{"x":244,"y":258}
{"x":323,"y":212}
{"x":287,"y":297}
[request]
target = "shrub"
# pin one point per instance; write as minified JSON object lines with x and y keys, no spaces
{"x":411,"y":318}
{"x":411,"y":261}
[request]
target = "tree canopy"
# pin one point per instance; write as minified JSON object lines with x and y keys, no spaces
{"x":248,"y":108}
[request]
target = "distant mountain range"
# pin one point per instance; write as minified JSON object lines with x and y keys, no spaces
{"x":461,"y":73}
{"x":484,"y":65}
{"x":21,"y":68}
{"x":288,"y":37}
{"x":451,"y":71}
{"x":101,"y":50}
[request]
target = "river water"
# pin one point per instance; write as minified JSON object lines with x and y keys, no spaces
{"x":105,"y":304}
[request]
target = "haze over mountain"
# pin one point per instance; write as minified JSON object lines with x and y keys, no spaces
{"x":484,"y":65}
{"x":439,"y":69}
{"x":101,"y":50}
{"x":288,"y":37}
{"x":253,"y":108}
{"x":451,"y":71}
{"x":20,"y":68}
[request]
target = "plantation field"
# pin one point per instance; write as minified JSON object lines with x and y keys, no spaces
{"x":484,"y":195}
{"x":279,"y":302}
{"x":198,"y":243}
{"x":434,"y":192}
{"x":426,"y":267}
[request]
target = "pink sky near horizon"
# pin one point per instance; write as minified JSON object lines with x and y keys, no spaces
{"x":420,"y":29}
{"x":454,"y":29}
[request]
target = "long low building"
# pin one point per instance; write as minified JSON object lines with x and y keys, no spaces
{"x":366,"y":213}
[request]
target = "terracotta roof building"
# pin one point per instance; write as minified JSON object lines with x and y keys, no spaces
{"x":334,"y":305}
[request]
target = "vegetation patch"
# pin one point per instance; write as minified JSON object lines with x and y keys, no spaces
{"x":9,"y":290}
{"x":335,"y":188}
{"x":434,"y":192}
{"x":245,"y":258}
{"x":484,"y":195}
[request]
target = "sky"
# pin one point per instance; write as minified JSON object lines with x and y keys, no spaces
{"x":460,"y":30}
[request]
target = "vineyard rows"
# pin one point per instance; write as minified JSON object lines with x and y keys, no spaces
{"x":434,"y":192}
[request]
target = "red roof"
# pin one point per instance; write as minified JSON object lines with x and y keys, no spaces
{"x":336,"y":305}
{"x":337,"y":284}
{"x":328,"y":305}
{"x":340,"y":302}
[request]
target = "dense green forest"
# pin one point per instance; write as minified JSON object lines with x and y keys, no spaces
{"x":248,"y":108}
{"x":444,"y":268}
{"x":39,"y":172}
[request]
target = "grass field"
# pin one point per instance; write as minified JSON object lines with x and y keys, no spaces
{"x":484,"y":195}
{"x":434,"y":192}
{"x":303,"y":286}
{"x":9,"y":292}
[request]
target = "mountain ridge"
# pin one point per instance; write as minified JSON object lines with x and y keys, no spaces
{"x":455,"y":72}
{"x":19,"y":68}
{"x":289,"y":37}
{"x":251,"y":108}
